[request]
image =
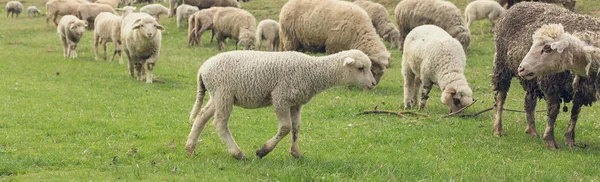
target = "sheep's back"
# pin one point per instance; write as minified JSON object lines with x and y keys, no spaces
{"x":229,"y":21}
{"x":413,"y":13}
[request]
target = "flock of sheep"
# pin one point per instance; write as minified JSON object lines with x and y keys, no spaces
{"x":554,"y":52}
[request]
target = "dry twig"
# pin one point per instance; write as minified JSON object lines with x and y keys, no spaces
{"x":460,"y":110}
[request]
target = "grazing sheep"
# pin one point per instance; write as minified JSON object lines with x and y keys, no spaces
{"x":432,"y":56}
{"x":184,"y":11}
{"x":126,"y":10}
{"x":202,"y":4}
{"x":569,"y":4}
{"x":269,"y":30}
{"x":108,"y":29}
{"x":141,"y":37}
{"x":89,"y":11}
{"x":234,"y":23}
{"x":331,"y":26}
{"x":286,"y":80}
{"x":70,"y":29}
{"x":14,"y":7}
{"x":155,"y":10}
{"x":200,"y":22}
{"x":514,"y":31}
{"x":55,"y":8}
{"x":33,"y":11}
{"x":483,"y":9}
{"x":413,"y":13}
{"x":381,"y":21}
{"x":112,"y":3}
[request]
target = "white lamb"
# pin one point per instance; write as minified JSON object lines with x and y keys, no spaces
{"x":70,"y":29}
{"x":89,"y":11}
{"x":33,"y":11}
{"x":14,"y":8}
{"x":432,"y":56}
{"x":268,"y":30}
{"x":234,"y":23}
{"x":108,"y":29}
{"x":286,"y":80}
{"x":483,"y":9}
{"x":155,"y":10}
{"x":126,"y":10}
{"x":141,"y":37}
{"x":184,"y":11}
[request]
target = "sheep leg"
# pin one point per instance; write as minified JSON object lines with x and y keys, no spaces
{"x":129,"y":62}
{"x":212,"y":35}
{"x":205,"y":114}
{"x":149,"y":75}
{"x":55,"y":17}
{"x":138,"y":70}
{"x":530,"y":104}
{"x":426,"y":85}
{"x":96,"y":40}
{"x":410,"y":93}
{"x":553,"y":103}
{"x":73,"y":50}
{"x":223,"y":106}
{"x":285,"y":124}
{"x":104,"y":47}
{"x":117,"y":51}
{"x":199,"y":35}
{"x":500,"y":99}
{"x":221,"y":41}
{"x":65,"y":45}
{"x":296,"y":118}
{"x":570,"y":133}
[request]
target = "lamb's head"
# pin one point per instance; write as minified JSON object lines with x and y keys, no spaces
{"x":552,"y":52}
{"x":458,"y":97}
{"x":246,"y":38}
{"x":462,"y":34}
{"x":356,"y":68}
{"x":147,"y":27}
{"x":392,"y":36}
{"x":380,"y":61}
{"x":126,"y":10}
{"x":77,"y":27}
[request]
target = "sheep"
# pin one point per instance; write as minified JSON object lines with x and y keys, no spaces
{"x":184,"y":11}
{"x":269,"y":30}
{"x":155,"y":10}
{"x":412,"y":13}
{"x":141,"y":38}
{"x":331,"y":26}
{"x":432,"y":56}
{"x":13,"y":8}
{"x":108,"y":29}
{"x":202,"y":4}
{"x":70,"y":29}
{"x":569,"y":4}
{"x":89,"y":11}
{"x":234,"y":23}
{"x":514,"y":31}
{"x":55,"y":8}
{"x":200,"y":22}
{"x":381,"y":21}
{"x":126,"y":10}
{"x":286,"y":80}
{"x":33,"y":11}
{"x":482,"y":9}
{"x":112,"y":3}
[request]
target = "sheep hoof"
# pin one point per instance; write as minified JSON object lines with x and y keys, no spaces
{"x":261,"y":152}
{"x":239,"y":156}
{"x":296,"y":155}
{"x":498,"y":133}
{"x":190,"y":150}
{"x":532,"y":132}
{"x":552,"y":145}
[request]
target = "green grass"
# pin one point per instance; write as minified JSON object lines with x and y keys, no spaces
{"x":79,"y":119}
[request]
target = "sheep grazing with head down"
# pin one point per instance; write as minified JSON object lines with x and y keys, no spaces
{"x":155,"y":10}
{"x":89,"y":11}
{"x":200,"y":22}
{"x":381,"y":21}
{"x":108,"y":29}
{"x":33,"y":11}
{"x":268,"y":30}
{"x":285,"y":80}
{"x":413,"y":13}
{"x":55,"y":8}
{"x":14,"y":8}
{"x":234,"y":23}
{"x":202,"y":4}
{"x":331,"y":26}
{"x":483,"y":9}
{"x":70,"y":29}
{"x":141,"y":36}
{"x":432,"y":56}
{"x":514,"y":31}
{"x":184,"y":11}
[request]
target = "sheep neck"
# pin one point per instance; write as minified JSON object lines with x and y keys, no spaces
{"x":579,"y":62}
{"x":452,"y":78}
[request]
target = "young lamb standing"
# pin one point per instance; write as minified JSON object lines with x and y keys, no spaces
{"x":413,"y":13}
{"x":33,"y":11}
{"x":141,"y":37}
{"x":55,"y":8}
{"x":432,"y":56}
{"x":519,"y":23}
{"x":108,"y":29}
{"x":269,"y":30}
{"x":184,"y":11}
{"x":285,"y":80}
{"x":331,"y":26}
{"x":14,"y":8}
{"x":155,"y":10}
{"x":234,"y":23}
{"x":483,"y":9}
{"x":381,"y":21}
{"x":200,"y":22}
{"x":70,"y":29}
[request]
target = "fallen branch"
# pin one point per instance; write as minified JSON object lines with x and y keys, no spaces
{"x":460,"y":110}
{"x":491,"y":108}
{"x":397,"y":113}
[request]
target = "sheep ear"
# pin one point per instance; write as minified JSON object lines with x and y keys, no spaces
{"x":559,"y":46}
{"x":137,"y":24}
{"x":450,"y":91}
{"x":160,"y":27}
{"x":348,"y":61}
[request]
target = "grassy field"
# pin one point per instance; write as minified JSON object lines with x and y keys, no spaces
{"x":84,"y":120}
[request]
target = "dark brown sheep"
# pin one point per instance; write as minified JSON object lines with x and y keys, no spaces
{"x":569,"y":4}
{"x":514,"y":32}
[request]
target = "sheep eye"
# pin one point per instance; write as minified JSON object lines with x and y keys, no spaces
{"x":546,"y":49}
{"x":361,"y":69}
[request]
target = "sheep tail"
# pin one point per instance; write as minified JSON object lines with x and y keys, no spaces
{"x":199,"y":99}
